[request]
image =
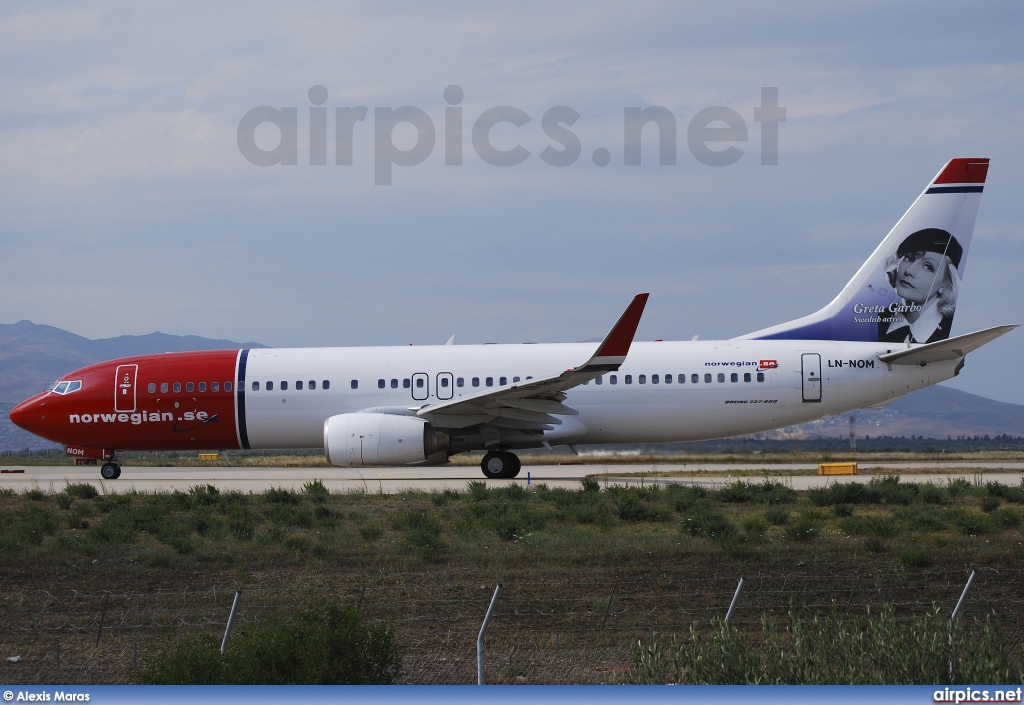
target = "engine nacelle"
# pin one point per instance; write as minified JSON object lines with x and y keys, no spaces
{"x":381,"y":439}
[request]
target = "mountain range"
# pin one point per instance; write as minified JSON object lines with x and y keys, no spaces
{"x":32,"y":356}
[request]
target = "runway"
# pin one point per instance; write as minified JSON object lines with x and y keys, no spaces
{"x":427,"y":479}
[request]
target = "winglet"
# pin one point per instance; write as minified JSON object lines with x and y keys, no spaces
{"x":615,"y":345}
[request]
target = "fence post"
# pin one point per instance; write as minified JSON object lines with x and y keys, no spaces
{"x":728,"y":616}
{"x":480,"y":637}
{"x":231,"y":621}
{"x":103,"y":614}
{"x":609,"y":607}
{"x":952,"y":623}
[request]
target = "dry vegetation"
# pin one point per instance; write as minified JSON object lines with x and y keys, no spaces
{"x":586,"y":572}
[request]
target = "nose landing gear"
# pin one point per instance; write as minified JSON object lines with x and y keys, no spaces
{"x":111,"y":470}
{"x":500,"y":465}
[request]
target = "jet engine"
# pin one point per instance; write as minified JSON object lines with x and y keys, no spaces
{"x":381,"y":439}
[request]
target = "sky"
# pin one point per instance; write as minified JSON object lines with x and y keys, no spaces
{"x":130,"y":203}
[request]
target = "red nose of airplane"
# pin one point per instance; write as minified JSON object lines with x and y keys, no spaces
{"x":30,"y":414}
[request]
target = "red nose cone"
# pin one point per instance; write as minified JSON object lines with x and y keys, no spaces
{"x":29,"y":414}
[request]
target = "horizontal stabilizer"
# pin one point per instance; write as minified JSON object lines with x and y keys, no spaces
{"x":943,"y":350}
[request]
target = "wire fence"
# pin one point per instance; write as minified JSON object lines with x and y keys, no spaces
{"x":542,"y":631}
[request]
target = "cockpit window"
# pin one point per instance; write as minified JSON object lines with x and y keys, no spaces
{"x":66,"y":387}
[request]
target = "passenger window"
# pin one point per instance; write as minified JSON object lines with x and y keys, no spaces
{"x":460,"y":382}
{"x":476,"y":381}
{"x":515,"y":379}
{"x":642,"y":379}
{"x":406,"y":383}
{"x":394,"y":384}
{"x":734,"y":377}
{"x":707,"y":378}
{"x":490,"y":381}
{"x":694,"y":379}
{"x":613,"y":379}
{"x":312,"y":384}
{"x":298,"y":385}
{"x":721,"y":377}
{"x":152,"y":388}
{"x":227,"y":386}
{"x":177,"y":386}
{"x":163,"y":387}
{"x":284,"y":386}
{"x":599,"y":380}
{"x":746,"y":376}
{"x":629,"y":379}
{"x":503,"y":381}
{"x":380,"y":384}
{"x":419,"y":383}
{"x":270,"y":386}
{"x":255,"y":386}
{"x":682,"y":379}
{"x":327,"y":384}
{"x":215,"y":387}
{"x":444,"y":382}
{"x":760,"y":376}
{"x":189,"y":387}
{"x":202,"y":386}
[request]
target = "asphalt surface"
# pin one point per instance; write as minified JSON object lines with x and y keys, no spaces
{"x":391,"y":480}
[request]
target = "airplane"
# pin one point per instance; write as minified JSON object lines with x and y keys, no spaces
{"x":885,"y":335}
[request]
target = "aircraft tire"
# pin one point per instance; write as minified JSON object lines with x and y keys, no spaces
{"x":495,"y":464}
{"x":515,"y":466}
{"x":110,"y":471}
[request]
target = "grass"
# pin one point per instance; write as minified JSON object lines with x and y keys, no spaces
{"x":414,"y":528}
{"x":486,"y":533}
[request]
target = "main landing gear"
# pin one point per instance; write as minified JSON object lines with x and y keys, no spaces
{"x":500,"y":464}
{"x":111,"y":470}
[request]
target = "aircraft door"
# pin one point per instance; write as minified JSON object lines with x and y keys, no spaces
{"x":810,"y":364}
{"x":124,"y":387}
{"x":420,"y":386}
{"x":444,"y":387}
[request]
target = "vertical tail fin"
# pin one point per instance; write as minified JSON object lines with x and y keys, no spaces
{"x":907,"y":290}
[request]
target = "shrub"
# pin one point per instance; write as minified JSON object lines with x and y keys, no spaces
{"x":421,"y":533}
{"x":708,"y":523}
{"x":589,"y":484}
{"x":323,"y":644}
{"x":842,"y":510}
{"x":830,"y":648}
{"x":81,"y":490}
{"x":117,"y":528}
{"x":777,"y":516}
{"x":241,"y":523}
{"x":280,"y":495}
{"x":316,"y":490}
{"x":203,"y":495}
{"x":914,"y":557}
{"x":989,"y":504}
{"x":932,"y":494}
{"x":969,"y":523}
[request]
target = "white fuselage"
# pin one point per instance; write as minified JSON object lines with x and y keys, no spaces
{"x":714,"y":389}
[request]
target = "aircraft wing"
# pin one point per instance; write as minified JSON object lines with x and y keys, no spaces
{"x":943,"y":350}
{"x":533,"y":404}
